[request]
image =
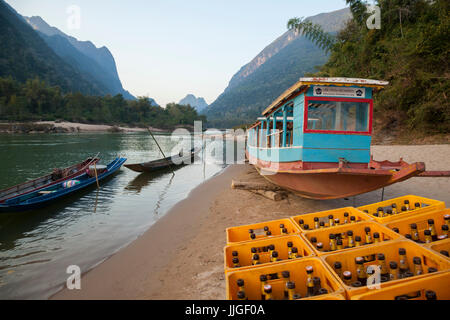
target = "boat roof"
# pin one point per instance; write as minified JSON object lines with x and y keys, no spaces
{"x":304,"y":83}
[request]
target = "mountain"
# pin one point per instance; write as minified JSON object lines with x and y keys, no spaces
{"x":198,"y":103}
{"x":271,"y":72}
{"x":25,"y":55}
{"x":99,"y":63}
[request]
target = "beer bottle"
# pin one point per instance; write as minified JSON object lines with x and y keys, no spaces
{"x":291,"y":290}
{"x":380,"y":212}
{"x":295,"y":253}
{"x":234,"y":253}
{"x":250,"y":232}
{"x":281,"y":228}
{"x":418,"y":270}
{"x":321,"y":225}
{"x":284,"y":231}
{"x":430,"y":295}
{"x":347,"y":275}
{"x":290,"y":245}
{"x":360,"y":270}
{"x":252,"y":236}
{"x":313,"y":240}
{"x":444,"y":229}
{"x":444,"y":252}
{"x":406,"y":202}
{"x":331,"y":220}
{"x":394,"y":208}
{"x":338,"y":268}
{"x":404,"y":209}
{"x":286,"y":277}
{"x":382,"y":263}
{"x":447,"y":219}
{"x":269,"y":233}
{"x":388,"y":212}
{"x":339,"y":244}
{"x":332,"y":242}
{"x":432,"y":270}
{"x":301,"y":223}
{"x":255,"y":259}
{"x":254,"y":250}
{"x":368,"y":235}
{"x":271,"y":247}
{"x":393,"y":272}
{"x":306,"y":226}
{"x":317,"y":286}
{"x":345,"y":217}
{"x":432,"y":228}
{"x":352,"y":219}
{"x":357,"y":241}
{"x":316,"y":223}
{"x":241,"y":295}
{"x":337,"y":221}
{"x":236,"y":263}
{"x":274,"y":256}
{"x":351,"y":242}
{"x":309,"y":281}
{"x":403,"y":261}
{"x":376,"y":237}
{"x":266,"y":228}
{"x":395,"y":230}
{"x":268,"y":292}
{"x":417,"y":205}
{"x":414,"y":232}
{"x":263,"y":280}
{"x":319,"y":246}
{"x":428,"y":237}
{"x":240,"y":284}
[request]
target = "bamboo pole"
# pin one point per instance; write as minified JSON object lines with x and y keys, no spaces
{"x":96,"y":176}
{"x":170,"y":165}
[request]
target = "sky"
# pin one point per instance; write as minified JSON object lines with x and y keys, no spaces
{"x":166,"y":49}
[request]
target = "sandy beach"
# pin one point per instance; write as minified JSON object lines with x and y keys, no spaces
{"x":181,"y":256}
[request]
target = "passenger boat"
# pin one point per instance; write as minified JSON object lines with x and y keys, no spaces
{"x":155,"y":165}
{"x":57,"y":176}
{"x":50,"y":194}
{"x":315,"y":140}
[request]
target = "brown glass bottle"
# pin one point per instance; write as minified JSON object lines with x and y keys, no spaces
{"x":394,"y":273}
{"x":418,"y":270}
{"x":337,"y":266}
{"x":432,"y":229}
{"x":403,"y":261}
{"x":286,"y":278}
{"x":309,"y":281}
{"x":383,"y":267}
{"x":414,"y":232}
{"x":263,"y":280}
{"x":361,"y":274}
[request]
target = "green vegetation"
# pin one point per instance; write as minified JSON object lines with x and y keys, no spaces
{"x":34,"y":100}
{"x":411,"y":51}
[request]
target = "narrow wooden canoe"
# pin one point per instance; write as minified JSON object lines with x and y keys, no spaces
{"x":164,"y":163}
{"x":57,"y":176}
{"x":46,"y":196}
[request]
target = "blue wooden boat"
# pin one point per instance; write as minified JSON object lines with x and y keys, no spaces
{"x":315,"y":140}
{"x":43,"y":197}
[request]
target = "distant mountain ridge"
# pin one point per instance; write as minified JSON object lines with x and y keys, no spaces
{"x":84,"y":55}
{"x":272,"y":71}
{"x":198,"y":103}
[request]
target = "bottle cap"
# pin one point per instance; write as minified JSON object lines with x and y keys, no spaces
{"x":408,"y":236}
{"x":417,"y":260}
{"x":393,"y":265}
{"x":323,"y":291}
{"x":330,"y":216}
{"x":430,"y":295}
{"x":250,"y":231}
{"x":356,"y":284}
{"x":241,"y":295}
{"x":403,"y":208}
{"x":271,"y":247}
{"x":353,"y":218}
{"x":396,"y":230}
{"x":263,"y":277}
{"x":347,"y":275}
{"x":359,"y":260}
{"x":402,"y":251}
{"x":447,"y":217}
{"x":235,"y":260}
{"x":234,"y":253}
{"x":427,"y":232}
{"x":281,"y":225}
{"x":417,"y":205}
{"x":316,"y":219}
{"x":444,"y":227}
{"x":350,"y":233}
{"x":413,"y":226}
{"x":430,"y":221}
{"x":337,"y":265}
{"x":319,"y":245}
{"x":345,"y":214}
{"x":290,"y":244}
{"x":268,"y":233}
{"x":313,"y":239}
{"x":337,"y":220}
{"x":332,"y":236}
{"x":290,"y":285}
{"x":274,"y":254}
{"x":394,"y":205}
{"x":380,"y":209}
{"x":256,"y":256}
{"x":240,"y":282}
{"x":285,"y":230}
{"x":389,"y":211}
{"x":254,"y":250}
{"x":406,"y":202}
{"x":381,"y":256}
{"x":268,"y":288}
{"x":357,"y":238}
{"x":431,"y":270}
{"x":339,"y":242}
{"x":322,"y":223}
{"x":376,"y":235}
{"x":252,"y":236}
{"x":309,"y":269}
{"x":306,"y":226}
{"x":301,"y":221}
{"x":286,"y":274}
{"x":294,"y":250}
{"x":444,"y":252}
{"x":367,"y":229}
{"x":266,"y":228}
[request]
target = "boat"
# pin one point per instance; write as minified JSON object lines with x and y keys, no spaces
{"x":57,"y":176}
{"x":315,"y":139}
{"x":46,"y":196}
{"x":173,"y":161}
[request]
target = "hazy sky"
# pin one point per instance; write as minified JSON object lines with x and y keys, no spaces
{"x":168,"y":48}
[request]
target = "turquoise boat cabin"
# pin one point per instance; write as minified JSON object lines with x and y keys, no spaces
{"x":319,"y":122}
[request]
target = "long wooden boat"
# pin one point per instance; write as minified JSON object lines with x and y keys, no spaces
{"x":57,"y":176}
{"x":315,"y":140}
{"x":48,"y":195}
{"x":155,"y":165}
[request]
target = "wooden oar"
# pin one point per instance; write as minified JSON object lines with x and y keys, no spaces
{"x":170,"y":165}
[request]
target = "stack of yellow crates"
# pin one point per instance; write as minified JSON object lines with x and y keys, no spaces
{"x":276,"y":255}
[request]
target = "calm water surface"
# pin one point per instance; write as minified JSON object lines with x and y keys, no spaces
{"x":36,"y":247}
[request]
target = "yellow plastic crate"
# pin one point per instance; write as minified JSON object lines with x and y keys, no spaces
{"x":245,"y":254}
{"x":439,"y":246}
{"x":323,"y":216}
{"x":421,"y":220}
{"x":241,"y":233}
{"x":252,"y":284}
{"x":390,"y":250}
{"x":413,"y":290}
{"x":322,"y":235}
{"x":427,"y":205}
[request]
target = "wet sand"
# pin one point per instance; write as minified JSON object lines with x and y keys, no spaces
{"x":181,"y":256}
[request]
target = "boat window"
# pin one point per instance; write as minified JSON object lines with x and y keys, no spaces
{"x":345,"y":116}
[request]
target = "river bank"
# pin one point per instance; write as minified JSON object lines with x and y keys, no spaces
{"x":181,"y":256}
